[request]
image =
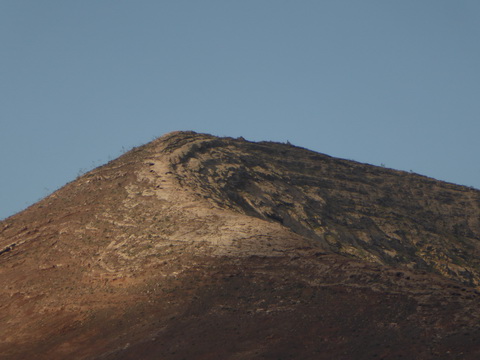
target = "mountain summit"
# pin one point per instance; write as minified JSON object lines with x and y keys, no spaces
{"x":199,"y":247}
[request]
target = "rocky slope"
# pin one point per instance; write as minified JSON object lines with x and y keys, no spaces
{"x":198,"y":247}
{"x":375,"y":214}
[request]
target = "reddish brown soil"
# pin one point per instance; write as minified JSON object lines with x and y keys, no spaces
{"x":196,"y":247}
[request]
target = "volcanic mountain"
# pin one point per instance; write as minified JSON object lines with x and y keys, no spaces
{"x":199,"y":247}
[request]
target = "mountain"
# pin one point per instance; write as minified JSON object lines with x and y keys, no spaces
{"x":199,"y":247}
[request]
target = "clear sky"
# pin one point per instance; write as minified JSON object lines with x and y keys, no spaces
{"x":382,"y":82}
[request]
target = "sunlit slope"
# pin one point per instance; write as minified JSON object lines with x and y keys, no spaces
{"x":194,"y":246}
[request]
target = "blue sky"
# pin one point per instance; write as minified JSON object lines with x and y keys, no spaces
{"x":382,"y":82}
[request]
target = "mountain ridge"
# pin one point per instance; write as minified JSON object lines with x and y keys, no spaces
{"x":179,"y":247}
{"x":361,"y":182}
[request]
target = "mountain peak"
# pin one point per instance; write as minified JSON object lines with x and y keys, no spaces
{"x":367,"y":212}
{"x":232,"y":244}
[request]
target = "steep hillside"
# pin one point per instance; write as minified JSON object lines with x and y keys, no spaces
{"x":198,"y":247}
{"x":371,"y":213}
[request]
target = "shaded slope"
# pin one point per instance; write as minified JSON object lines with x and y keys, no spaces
{"x":200,"y":247}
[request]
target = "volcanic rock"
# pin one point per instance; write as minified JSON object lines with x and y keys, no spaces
{"x":199,"y":247}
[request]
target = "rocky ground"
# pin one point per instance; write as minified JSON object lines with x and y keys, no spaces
{"x":197,"y":247}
